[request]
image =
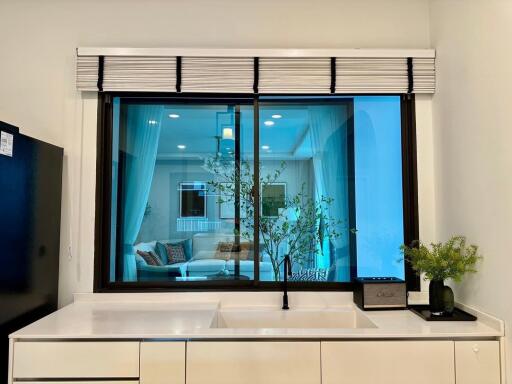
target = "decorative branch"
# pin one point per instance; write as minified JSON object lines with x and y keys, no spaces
{"x":303,"y":235}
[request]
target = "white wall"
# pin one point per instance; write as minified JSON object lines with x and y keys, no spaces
{"x":472,"y":139}
{"x":164,"y":197}
{"x":37,"y":56}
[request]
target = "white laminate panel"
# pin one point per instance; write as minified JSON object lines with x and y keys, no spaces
{"x":76,"y":360}
{"x":253,"y":362}
{"x":388,"y":362}
{"x":477,"y":362}
{"x":162,"y":362}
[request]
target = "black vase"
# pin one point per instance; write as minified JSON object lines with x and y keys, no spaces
{"x":436,"y":297}
{"x":448,"y":300}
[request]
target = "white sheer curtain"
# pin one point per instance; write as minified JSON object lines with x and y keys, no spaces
{"x":143,"y":124}
{"x":328,"y":131}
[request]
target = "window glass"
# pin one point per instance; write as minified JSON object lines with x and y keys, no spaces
{"x":333,"y":171}
{"x":174,"y":218}
{"x":379,"y":200}
{"x":183,"y":190}
{"x":305,"y":200}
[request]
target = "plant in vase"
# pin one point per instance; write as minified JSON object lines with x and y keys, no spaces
{"x":441,"y":261}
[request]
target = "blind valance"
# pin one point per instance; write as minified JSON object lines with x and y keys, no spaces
{"x":265,"y":72}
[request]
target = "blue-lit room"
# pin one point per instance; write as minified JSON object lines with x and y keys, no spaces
{"x":330,"y":168}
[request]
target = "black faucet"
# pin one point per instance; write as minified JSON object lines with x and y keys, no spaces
{"x":287,"y":272}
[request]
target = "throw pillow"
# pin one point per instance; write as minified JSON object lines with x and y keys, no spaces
{"x":161,"y":251}
{"x":225,"y":246}
{"x":224,"y":249}
{"x":175,"y":253}
{"x":227,"y":250}
{"x":150,"y":258}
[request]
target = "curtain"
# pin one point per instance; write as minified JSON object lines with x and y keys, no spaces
{"x":328,"y":131}
{"x":143,"y":124}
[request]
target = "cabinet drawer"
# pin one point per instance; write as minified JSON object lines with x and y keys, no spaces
{"x":76,"y":360}
{"x":253,"y":362}
{"x":162,"y":362}
{"x":388,"y":362}
{"x":477,"y":362}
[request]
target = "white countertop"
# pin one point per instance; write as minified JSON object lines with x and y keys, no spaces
{"x":162,"y":317}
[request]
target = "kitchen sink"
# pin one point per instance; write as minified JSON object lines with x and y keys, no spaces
{"x":294,"y":318}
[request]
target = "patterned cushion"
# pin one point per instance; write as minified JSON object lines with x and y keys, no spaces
{"x":225,"y":246}
{"x":223,"y":251}
{"x":175,"y":253}
{"x":161,"y":249}
{"x":227,"y":250}
{"x":150,"y":258}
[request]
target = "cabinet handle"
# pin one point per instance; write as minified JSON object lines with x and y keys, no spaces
{"x":475,"y":348}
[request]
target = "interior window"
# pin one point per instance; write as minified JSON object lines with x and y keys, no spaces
{"x":194,"y":183}
{"x":192,"y":199}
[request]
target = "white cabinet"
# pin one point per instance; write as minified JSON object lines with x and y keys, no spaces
{"x":477,"y":362}
{"x":162,"y":363}
{"x":388,"y":362}
{"x":257,"y":362}
{"x":77,"y":360}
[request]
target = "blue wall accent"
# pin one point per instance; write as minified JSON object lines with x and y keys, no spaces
{"x":378,"y":162}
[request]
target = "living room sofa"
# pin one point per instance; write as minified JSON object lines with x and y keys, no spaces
{"x":201,"y":262}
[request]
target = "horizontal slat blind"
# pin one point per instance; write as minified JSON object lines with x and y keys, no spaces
{"x":283,"y":75}
{"x":374,"y":75}
{"x":217,"y":74}
{"x":295,"y":75}
{"x":424,"y":74}
{"x":87,"y":73}
{"x":149,"y":74}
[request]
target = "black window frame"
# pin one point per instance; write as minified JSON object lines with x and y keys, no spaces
{"x":102,"y":244}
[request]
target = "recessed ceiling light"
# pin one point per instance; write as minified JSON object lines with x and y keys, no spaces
{"x":277,"y":116}
{"x":174,"y":115}
{"x":265,"y":147}
{"x":181,"y":146}
{"x":152,"y":122}
{"x":268,"y":123}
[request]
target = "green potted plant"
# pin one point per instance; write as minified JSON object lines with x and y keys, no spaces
{"x":441,"y":261}
{"x":301,"y":223}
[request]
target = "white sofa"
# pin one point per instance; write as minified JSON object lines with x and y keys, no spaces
{"x":203,"y":261}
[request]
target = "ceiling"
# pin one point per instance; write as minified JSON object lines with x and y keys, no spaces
{"x":199,"y":128}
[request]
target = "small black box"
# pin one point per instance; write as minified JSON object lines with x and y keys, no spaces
{"x":380,"y":293}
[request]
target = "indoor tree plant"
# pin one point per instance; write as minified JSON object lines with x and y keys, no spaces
{"x":301,"y":224}
{"x":441,"y":261}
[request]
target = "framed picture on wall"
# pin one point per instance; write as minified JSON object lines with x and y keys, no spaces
{"x":192,"y":199}
{"x":227,"y":203}
{"x":273,"y":198}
